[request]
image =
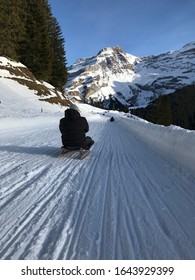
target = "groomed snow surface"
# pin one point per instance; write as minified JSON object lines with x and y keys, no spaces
{"x":132,"y":198}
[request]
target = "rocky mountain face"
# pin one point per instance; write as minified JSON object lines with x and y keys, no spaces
{"x":114,"y":79}
{"x":18,"y":72}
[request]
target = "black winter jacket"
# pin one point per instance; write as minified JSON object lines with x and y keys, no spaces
{"x":73,"y":128}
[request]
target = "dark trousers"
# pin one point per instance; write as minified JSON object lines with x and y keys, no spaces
{"x":88,"y":142}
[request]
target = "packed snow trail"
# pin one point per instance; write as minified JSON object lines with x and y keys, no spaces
{"x":124,"y":201}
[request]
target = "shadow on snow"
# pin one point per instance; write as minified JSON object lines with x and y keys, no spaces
{"x":42,"y":150}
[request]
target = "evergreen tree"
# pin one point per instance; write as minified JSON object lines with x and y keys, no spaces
{"x":59,"y":69}
{"x":177,"y":108}
{"x":30,"y":34}
{"x":37,"y":53}
{"x":12,"y":27}
{"x":163,"y":114}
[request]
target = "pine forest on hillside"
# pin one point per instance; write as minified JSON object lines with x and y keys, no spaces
{"x":29,"y":33}
{"x":177,"y":108}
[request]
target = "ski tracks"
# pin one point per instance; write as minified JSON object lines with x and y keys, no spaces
{"x":30,"y":202}
{"x":115,"y":204}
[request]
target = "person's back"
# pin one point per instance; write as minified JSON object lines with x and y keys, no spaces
{"x":112,"y":119}
{"x":73,"y":128}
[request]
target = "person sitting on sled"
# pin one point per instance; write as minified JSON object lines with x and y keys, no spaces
{"x":112,"y":119}
{"x":73,"y":128}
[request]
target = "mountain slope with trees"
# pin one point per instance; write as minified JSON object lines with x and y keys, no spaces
{"x":29,"y":33}
{"x":177,"y":108}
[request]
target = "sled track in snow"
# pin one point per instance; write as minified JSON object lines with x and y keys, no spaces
{"x":115,"y":204}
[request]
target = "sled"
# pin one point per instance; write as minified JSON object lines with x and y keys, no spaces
{"x":76,"y":153}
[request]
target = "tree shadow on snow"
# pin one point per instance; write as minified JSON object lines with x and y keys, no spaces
{"x":42,"y":150}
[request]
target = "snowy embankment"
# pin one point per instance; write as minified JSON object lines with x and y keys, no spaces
{"x":174,"y":143}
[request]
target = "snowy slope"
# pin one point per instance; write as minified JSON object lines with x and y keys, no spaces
{"x":132,"y":198}
{"x":16,"y":80}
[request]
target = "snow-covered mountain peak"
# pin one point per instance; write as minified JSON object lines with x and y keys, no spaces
{"x":100,"y":77}
{"x":116,"y":53}
{"x":105,"y":51}
{"x":116,"y":76}
{"x":188,"y":47}
{"x":109,"y":55}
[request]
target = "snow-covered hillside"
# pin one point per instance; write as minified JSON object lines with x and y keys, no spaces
{"x":22,"y":82}
{"x":132,"y":198}
{"x":132,"y":81}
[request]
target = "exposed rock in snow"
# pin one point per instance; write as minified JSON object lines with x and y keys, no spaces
{"x":21,"y":75}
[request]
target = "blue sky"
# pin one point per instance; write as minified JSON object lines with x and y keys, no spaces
{"x":139,"y":27}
